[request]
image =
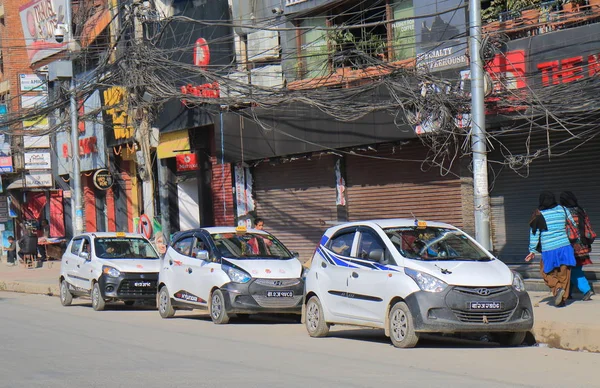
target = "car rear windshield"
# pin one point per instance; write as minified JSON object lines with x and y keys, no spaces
{"x":250,"y":246}
{"x":124,"y":248}
{"x":433,"y":243}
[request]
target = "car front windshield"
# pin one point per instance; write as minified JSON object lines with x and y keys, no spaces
{"x":250,"y":246}
{"x":124,"y":248}
{"x":432,"y":243}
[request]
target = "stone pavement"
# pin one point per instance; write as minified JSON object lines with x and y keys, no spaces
{"x":574,"y":327}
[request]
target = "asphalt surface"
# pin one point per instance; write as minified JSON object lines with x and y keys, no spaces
{"x":43,"y":344}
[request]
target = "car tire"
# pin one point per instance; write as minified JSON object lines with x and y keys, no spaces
{"x":315,"y":319}
{"x":165,"y":307}
{"x":66,"y":298}
{"x":98,"y":303}
{"x":511,"y":339}
{"x":401,"y":327}
{"x":218,"y":313}
{"x":129,"y":302}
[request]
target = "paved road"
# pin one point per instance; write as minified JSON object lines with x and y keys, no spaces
{"x":43,"y":344}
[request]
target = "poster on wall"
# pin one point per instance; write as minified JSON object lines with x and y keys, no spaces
{"x":5,"y":143}
{"x":39,"y":19}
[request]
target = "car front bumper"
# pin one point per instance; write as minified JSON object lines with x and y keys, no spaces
{"x":129,"y":286}
{"x":260,"y":296}
{"x":451,"y":311}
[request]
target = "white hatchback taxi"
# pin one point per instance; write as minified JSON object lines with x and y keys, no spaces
{"x":229,"y":271}
{"x":411,"y":277}
{"x":109,"y":267}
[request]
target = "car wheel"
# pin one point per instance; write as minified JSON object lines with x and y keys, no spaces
{"x":401,"y":326}
{"x":218,"y":314}
{"x":129,"y":302}
{"x":315,"y":319}
{"x":65,"y":295}
{"x":98,"y":302}
{"x":165,"y":307}
{"x":511,"y":339}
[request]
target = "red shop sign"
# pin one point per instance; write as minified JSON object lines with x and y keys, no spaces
{"x":186,"y":162}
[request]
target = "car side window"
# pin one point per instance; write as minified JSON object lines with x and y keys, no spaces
{"x":369,"y":242}
{"x":76,"y":245}
{"x":342,"y":244}
{"x":87,"y":246}
{"x":184,"y":245}
{"x":200,"y":245}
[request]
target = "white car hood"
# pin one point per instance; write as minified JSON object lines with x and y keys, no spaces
{"x":466,"y":273}
{"x":134,"y":265}
{"x":269,"y":268}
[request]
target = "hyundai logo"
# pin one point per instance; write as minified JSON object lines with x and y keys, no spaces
{"x":483,"y":291}
{"x":277,"y":283}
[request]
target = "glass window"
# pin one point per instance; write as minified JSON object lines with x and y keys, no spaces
{"x":250,"y":246}
{"x":87,"y":246}
{"x":199,"y":245}
{"x":76,"y":245}
{"x":342,"y":244}
{"x":314,"y":48}
{"x":184,"y":245}
{"x":369,"y":242}
{"x":124,"y":248}
{"x":434,"y":243}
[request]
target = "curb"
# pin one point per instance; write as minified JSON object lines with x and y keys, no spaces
{"x":29,"y":288}
{"x":567,"y":336}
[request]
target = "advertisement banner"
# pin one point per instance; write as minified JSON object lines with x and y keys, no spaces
{"x":37,"y":161}
{"x":39,"y":123}
{"x":39,"y":19}
{"x":186,"y":162}
{"x":240,"y":190}
{"x":28,"y":102}
{"x":441,"y":38}
{"x":33,"y":82}
{"x":5,"y":146}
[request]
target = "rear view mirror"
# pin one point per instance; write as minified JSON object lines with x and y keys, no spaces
{"x":295,"y":255}
{"x":84,"y":255}
{"x":376,"y":255}
{"x":202,"y":255}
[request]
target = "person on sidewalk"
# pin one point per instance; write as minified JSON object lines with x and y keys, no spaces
{"x":11,"y":251}
{"x":581,"y":236}
{"x":548,"y":235}
{"x":43,"y":235}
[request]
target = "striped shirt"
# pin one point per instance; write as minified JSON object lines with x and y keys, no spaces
{"x":556,"y":235}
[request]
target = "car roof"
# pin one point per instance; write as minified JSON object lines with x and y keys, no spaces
{"x":389,"y":223}
{"x":221,"y":229}
{"x":109,"y":234}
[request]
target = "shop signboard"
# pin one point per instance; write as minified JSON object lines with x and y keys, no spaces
{"x":33,"y":82}
{"x":103,"y":179}
{"x":3,"y":208}
{"x":39,"y":20}
{"x":28,"y":102}
{"x":5,"y":146}
{"x":35,"y":180}
{"x":39,"y":124}
{"x":37,"y":160}
{"x":186,"y":162}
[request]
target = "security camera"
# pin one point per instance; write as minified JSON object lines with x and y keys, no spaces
{"x":59,"y":33}
{"x":277,"y":11}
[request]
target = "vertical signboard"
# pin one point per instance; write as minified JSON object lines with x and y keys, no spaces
{"x":404,"y":29}
{"x":5,"y":153}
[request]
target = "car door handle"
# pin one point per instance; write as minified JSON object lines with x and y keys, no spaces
{"x":323,"y":264}
{"x":78,"y":266}
{"x":189,"y":270}
{"x":354,"y":275}
{"x":66,"y":261}
{"x":170,"y":262}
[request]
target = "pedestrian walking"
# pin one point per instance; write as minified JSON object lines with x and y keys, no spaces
{"x":548,"y":236}
{"x":581,"y":235}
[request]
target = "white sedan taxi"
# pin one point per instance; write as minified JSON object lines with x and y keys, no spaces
{"x":411,"y":277}
{"x":229,"y":271}
{"x":109,"y":267}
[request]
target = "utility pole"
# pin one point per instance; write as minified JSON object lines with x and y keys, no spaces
{"x":478,"y":134}
{"x":142,"y":134}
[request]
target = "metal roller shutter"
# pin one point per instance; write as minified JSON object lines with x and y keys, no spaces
{"x":513,"y":197}
{"x":378,"y":188}
{"x":297,"y":201}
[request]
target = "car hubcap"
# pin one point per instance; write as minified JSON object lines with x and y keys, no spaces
{"x":63,"y":291}
{"x":163,"y":302}
{"x":216,"y":306}
{"x":312,"y":316}
{"x":399,"y":325}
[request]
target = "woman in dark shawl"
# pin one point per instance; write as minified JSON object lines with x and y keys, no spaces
{"x":581,"y":236}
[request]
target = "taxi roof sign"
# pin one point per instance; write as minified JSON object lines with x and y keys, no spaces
{"x":421,"y":224}
{"x":241,"y":229}
{"x":120,"y":234}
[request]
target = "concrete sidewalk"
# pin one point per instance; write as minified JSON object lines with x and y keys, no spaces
{"x":574,"y":327}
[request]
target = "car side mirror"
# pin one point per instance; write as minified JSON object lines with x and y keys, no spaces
{"x":376,"y":255}
{"x":295,"y":255}
{"x":202,"y":255}
{"x":85,"y":256}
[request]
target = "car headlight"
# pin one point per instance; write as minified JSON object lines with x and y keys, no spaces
{"x":518,"y":283}
{"x":236,"y":275}
{"x":111,"y":271}
{"x":425,"y":281}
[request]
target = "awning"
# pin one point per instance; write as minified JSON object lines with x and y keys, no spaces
{"x":19,"y":184}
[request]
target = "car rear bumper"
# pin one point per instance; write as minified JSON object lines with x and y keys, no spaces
{"x":260,"y":296}
{"x":450,"y":311}
{"x":129,"y":286}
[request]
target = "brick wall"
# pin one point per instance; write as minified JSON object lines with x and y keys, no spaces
{"x":222,"y":193}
